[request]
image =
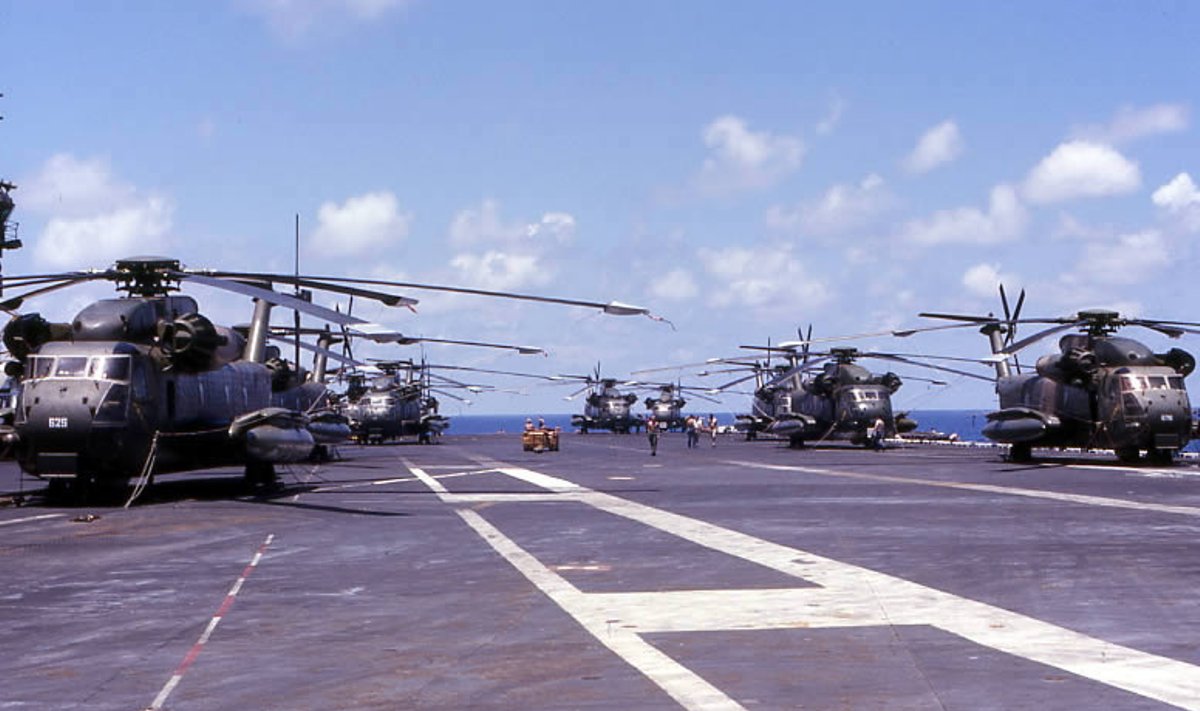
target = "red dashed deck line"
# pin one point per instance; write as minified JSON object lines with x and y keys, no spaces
{"x":194,"y":652}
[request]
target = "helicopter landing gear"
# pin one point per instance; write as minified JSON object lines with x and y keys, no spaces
{"x":1129,"y":455}
{"x":261,"y":475}
{"x":1020,"y":452}
{"x":1162,"y":457}
{"x":796,"y":442}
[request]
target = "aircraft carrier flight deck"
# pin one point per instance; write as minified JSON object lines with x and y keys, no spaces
{"x":474,"y":575}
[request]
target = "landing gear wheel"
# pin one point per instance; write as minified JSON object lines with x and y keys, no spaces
{"x":796,"y":442}
{"x":1020,"y":452}
{"x":261,"y":475}
{"x":1162,"y":457}
{"x":1129,"y":455}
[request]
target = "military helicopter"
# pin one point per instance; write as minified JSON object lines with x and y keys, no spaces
{"x":145,"y":384}
{"x":828,"y":395}
{"x":821,"y":395}
{"x":1099,"y":391}
{"x":667,"y":405}
{"x":606,"y":406}
{"x":401,"y":402}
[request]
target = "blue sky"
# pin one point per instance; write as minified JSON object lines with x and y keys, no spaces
{"x":742,"y":169}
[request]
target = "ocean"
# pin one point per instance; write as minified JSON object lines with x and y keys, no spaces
{"x":967,"y":424}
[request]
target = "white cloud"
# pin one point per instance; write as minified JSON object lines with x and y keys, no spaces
{"x":1131,"y":123}
{"x":766,"y":277}
{"x":73,"y":187}
{"x":1132,"y":259}
{"x":842,"y":208}
{"x":295,"y":19}
{"x":1179,"y":194}
{"x":136,"y":229}
{"x":483,"y":225}
{"x":360,"y":224}
{"x":984,"y":280}
{"x":837,"y":107}
{"x":741,"y":159}
{"x":93,"y":217}
{"x":1005,"y":220}
{"x":675,"y":285}
{"x":938,"y":146}
{"x":1180,"y":198}
{"x":500,"y":271}
{"x":1079,"y":169}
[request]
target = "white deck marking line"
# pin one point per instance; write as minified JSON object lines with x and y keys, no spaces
{"x":681,"y":683}
{"x":847,"y":596}
{"x":987,"y":488}
{"x":31,"y":519}
{"x":396,"y":480}
{"x":198,"y":647}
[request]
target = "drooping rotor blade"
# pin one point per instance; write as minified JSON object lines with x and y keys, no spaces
{"x":491,"y":371}
{"x":14,"y":302}
{"x":615,"y":308}
{"x":731,"y":360}
{"x":450,"y":395}
{"x":523,"y":350}
{"x":1030,"y":340}
{"x":1168,"y":329}
{"x":942,"y":368}
{"x":356,"y":325}
{"x":738,"y":381}
{"x":959,"y":317}
{"x":299,"y":281}
{"x":578,"y":392}
{"x":336,"y":357}
{"x":932,"y":381}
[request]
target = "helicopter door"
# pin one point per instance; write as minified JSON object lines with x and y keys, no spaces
{"x":170,"y":401}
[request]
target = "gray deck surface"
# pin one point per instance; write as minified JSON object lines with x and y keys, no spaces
{"x":473,"y":575}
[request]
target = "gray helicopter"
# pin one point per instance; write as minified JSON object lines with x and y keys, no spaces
{"x":606,"y":406}
{"x":817,"y":396}
{"x":401,"y":401}
{"x":145,"y":384}
{"x":1099,"y":391}
{"x":666,"y":406}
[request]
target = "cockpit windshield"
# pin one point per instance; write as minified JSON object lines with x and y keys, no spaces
{"x":112,"y":367}
{"x":1151,"y":382}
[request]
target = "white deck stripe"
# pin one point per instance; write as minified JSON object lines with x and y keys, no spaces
{"x":986,"y":488}
{"x":30,"y":519}
{"x":848,"y":596}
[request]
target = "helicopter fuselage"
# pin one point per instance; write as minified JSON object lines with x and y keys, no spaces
{"x":395,"y":412}
{"x":841,"y":403}
{"x":1126,"y":408}
{"x":137,"y":374}
{"x":608,"y":409}
{"x":93,"y":409}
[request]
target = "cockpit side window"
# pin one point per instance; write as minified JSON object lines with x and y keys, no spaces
{"x":40,"y":367}
{"x":109,"y":368}
{"x":71,"y":367}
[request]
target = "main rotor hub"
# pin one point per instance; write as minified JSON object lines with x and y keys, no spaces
{"x":1100,"y":322}
{"x":146,"y":276}
{"x":844,"y":355}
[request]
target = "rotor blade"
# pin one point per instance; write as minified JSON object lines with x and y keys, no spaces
{"x":364,"y":328}
{"x":739,"y":381}
{"x":450,"y":395}
{"x":615,"y":308}
{"x":523,"y":350}
{"x":15,"y":302}
{"x":931,"y":366}
{"x":299,"y":281}
{"x":1018,"y":345}
{"x":316,"y":349}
